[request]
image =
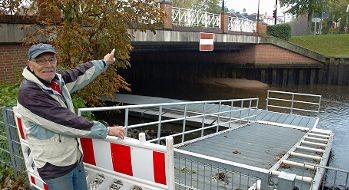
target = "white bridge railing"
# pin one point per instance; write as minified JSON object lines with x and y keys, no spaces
{"x":192,"y":18}
{"x":237,"y":24}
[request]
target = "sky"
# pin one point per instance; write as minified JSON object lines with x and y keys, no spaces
{"x":252,"y":6}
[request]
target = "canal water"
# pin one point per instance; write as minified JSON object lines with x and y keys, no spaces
{"x":334,"y":106}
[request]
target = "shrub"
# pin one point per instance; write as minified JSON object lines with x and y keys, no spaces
{"x":282,"y":31}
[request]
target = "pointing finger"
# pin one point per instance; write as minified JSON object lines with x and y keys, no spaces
{"x":112,"y":51}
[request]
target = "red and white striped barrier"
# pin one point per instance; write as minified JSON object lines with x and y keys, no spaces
{"x":135,"y":162}
{"x":132,"y":159}
{"x":20,"y":125}
{"x":37,"y":182}
{"x":33,"y":176}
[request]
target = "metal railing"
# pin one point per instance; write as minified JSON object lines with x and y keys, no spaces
{"x":334,"y":178}
{"x":290,"y":102}
{"x":207,"y":117}
{"x":10,"y":147}
{"x":197,"y":171}
{"x":191,"y":18}
{"x":237,"y":24}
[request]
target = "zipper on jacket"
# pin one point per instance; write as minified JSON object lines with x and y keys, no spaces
{"x":59,"y":138}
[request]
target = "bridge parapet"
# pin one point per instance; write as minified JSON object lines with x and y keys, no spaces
{"x":195,"y":18}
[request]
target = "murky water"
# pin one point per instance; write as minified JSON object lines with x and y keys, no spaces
{"x":334,"y":109}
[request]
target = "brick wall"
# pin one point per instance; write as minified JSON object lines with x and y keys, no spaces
{"x":271,"y":54}
{"x":13,"y":59}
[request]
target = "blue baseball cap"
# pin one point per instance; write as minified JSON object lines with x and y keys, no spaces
{"x":37,"y":49}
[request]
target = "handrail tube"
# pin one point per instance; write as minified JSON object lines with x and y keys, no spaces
{"x":327,"y":167}
{"x":110,"y":108}
{"x":296,"y":93}
{"x":203,"y":120}
{"x":219,"y":108}
{"x":298,"y":101}
{"x":179,"y":119}
{"x":230,"y":115}
{"x":310,"y":148}
{"x":159,"y":124}
{"x":293,"y":108}
{"x":135,"y":143}
{"x":126,"y":121}
{"x":184,"y":122}
{"x":194,"y":130}
{"x":292,"y":103}
{"x":191,"y":131}
{"x":298,"y":177}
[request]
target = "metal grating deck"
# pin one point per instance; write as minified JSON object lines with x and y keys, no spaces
{"x":258,"y":145}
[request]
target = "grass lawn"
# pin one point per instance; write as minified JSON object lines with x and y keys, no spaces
{"x":331,"y":45}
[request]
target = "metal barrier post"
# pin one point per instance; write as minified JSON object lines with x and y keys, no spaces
{"x":184,"y":121}
{"x":170,"y":163}
{"x":159,"y":124}
{"x":292,"y":103}
{"x":203,"y":120}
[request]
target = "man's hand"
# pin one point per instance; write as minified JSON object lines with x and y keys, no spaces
{"x":109,"y":58}
{"x":116,"y":131}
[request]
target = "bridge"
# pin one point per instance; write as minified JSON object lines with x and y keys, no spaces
{"x":237,"y":41}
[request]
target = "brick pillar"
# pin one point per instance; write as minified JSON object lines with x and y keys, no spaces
{"x":166,"y":7}
{"x":224,"y":22}
{"x":261,"y":29}
{"x":43,"y":12}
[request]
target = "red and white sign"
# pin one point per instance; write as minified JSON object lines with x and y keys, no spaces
{"x":206,"y":41}
{"x":133,"y":161}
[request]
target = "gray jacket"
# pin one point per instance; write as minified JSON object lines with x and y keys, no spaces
{"x":50,"y":119}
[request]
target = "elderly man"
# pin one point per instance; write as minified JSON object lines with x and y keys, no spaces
{"x":47,"y":110}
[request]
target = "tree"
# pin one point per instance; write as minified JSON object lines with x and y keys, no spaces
{"x":211,"y":6}
{"x":337,"y":12}
{"x":307,"y":8}
{"x":88,"y":29}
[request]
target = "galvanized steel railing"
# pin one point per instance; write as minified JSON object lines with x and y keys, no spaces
{"x":197,"y":171}
{"x":211,"y":116}
{"x":292,"y":103}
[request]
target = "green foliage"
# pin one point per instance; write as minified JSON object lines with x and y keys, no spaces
{"x":78,"y":102}
{"x":327,"y":45}
{"x":307,"y":8}
{"x":85,"y":30}
{"x":5,"y":172}
{"x":8,"y":94}
{"x":282,"y":31}
{"x":212,"y":6}
{"x":297,"y":7}
{"x":8,"y":181}
{"x":336,"y":12}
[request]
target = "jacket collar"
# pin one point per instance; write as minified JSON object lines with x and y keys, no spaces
{"x":27,"y":74}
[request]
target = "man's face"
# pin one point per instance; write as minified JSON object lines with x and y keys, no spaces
{"x":44,"y":66}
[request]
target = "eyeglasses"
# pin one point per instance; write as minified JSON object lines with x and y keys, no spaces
{"x":52,"y":60}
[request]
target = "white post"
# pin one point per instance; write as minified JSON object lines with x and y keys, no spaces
{"x":141,"y":137}
{"x":170,"y":163}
